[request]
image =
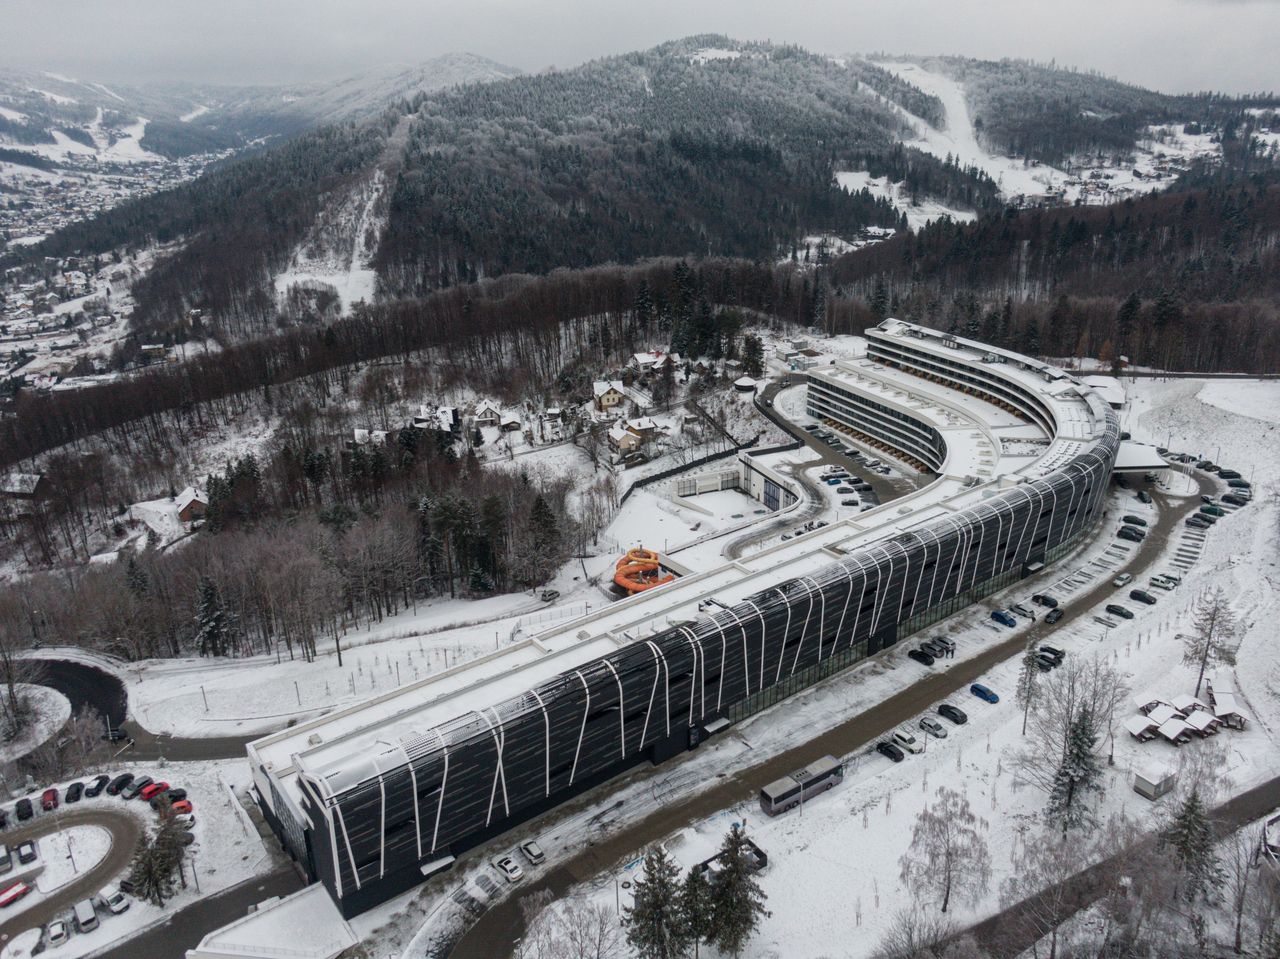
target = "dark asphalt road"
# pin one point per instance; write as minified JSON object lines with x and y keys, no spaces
{"x":186,"y":927}
{"x":124,"y":830}
{"x":497,"y":930}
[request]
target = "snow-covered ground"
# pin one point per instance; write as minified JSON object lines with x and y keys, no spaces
{"x":69,"y":853}
{"x":920,"y":212}
{"x":51,"y":710}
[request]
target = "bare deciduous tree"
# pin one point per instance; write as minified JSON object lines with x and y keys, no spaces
{"x":1213,"y":641}
{"x":948,"y":854}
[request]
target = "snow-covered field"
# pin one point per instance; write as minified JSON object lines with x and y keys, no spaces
{"x":920,"y":212}
{"x":51,"y":712}
{"x":68,"y":853}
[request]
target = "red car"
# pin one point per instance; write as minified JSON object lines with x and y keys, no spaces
{"x":153,"y":789}
{"x":13,"y":894}
{"x":49,"y":800}
{"x":180,"y":807}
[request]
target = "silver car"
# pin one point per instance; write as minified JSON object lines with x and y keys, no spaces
{"x":933,"y":727}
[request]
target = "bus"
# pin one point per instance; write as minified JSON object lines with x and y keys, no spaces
{"x":790,"y":791}
{"x":13,"y":894}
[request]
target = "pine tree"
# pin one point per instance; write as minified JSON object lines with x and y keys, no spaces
{"x":695,"y":908}
{"x":135,"y":578}
{"x":655,"y":929}
{"x":737,"y":901}
{"x":151,"y":872}
{"x":752,"y":356}
{"x":1190,"y":837}
{"x":1078,"y":774}
{"x":879,"y":300}
{"x":543,"y":527}
{"x":213,"y":628}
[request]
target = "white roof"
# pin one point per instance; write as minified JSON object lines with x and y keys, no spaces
{"x":306,"y":925}
{"x":1139,"y":725}
{"x":24,"y":483}
{"x":1224,"y":704}
{"x":188,"y":496}
{"x":1174,"y":729}
{"x":1185,"y":703}
{"x":1108,"y":387}
{"x":1163,"y":713}
{"x":642,"y":423}
{"x":1199,"y":720}
{"x":601,"y":387}
{"x":1133,"y":457}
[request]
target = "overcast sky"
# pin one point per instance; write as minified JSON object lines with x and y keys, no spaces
{"x":1173,"y":45}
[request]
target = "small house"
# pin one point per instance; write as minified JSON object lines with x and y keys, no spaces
{"x":487,"y":414}
{"x":1154,"y":782}
{"x":643,"y":427}
{"x":607,"y":394}
{"x":192,"y":504}
{"x":623,"y":441}
{"x":24,"y":486}
{"x":509,"y":423}
{"x":744,"y":384}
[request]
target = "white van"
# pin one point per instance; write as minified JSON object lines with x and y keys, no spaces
{"x":86,"y":918}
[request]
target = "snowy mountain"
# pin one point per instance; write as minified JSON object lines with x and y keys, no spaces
{"x":57,"y":117}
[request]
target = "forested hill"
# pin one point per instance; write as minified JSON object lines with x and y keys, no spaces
{"x":1050,"y":114}
{"x":1199,"y":271}
{"x":674,"y":150}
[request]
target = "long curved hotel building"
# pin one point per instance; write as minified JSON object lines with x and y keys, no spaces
{"x":1014,"y":456}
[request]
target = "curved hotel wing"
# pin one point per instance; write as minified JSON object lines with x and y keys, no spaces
{"x":374,"y":797}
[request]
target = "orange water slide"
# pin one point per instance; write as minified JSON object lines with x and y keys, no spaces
{"x":640,"y":570}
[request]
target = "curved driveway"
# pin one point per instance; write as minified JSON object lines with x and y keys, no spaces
{"x":495,"y":933}
{"x":124,"y":830}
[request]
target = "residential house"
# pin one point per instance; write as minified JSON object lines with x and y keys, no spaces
{"x":623,"y":441}
{"x":643,"y":427}
{"x":607,"y":394}
{"x":487,"y":414}
{"x":654,"y":361}
{"x":24,"y":486}
{"x":192,"y":504}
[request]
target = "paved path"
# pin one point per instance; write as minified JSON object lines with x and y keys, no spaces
{"x":493,"y":936}
{"x":124,"y":830}
{"x":186,"y":927}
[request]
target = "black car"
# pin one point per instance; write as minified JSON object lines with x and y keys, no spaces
{"x":1144,"y":496}
{"x":115,"y":735}
{"x":851,"y":502}
{"x":117,"y":784}
{"x":1044,"y":663}
{"x":1134,"y":521}
{"x":1115,"y":609}
{"x":1229,"y":474}
{"x":920,"y":656}
{"x":1235,"y":500}
{"x":1142,"y":596}
{"x":886,"y":748}
{"x":1053,"y":652}
{"x":74,"y":792}
{"x":94,"y":789}
{"x":131,"y":791}
{"x":1239,"y":484}
{"x":24,"y":810}
{"x":1130,"y":533}
{"x":957,"y":716}
{"x":26,"y":852}
{"x":1053,"y":616}
{"x":1044,"y":599}
{"x":1198,"y":522}
{"x":168,"y":798}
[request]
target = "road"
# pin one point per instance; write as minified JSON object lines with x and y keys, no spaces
{"x":495,"y":933}
{"x":86,"y":685}
{"x":1012,"y":931}
{"x":186,"y":927}
{"x":125,"y":831}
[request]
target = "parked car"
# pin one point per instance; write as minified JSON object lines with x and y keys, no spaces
{"x":984,"y":693}
{"x":74,"y":792}
{"x":1134,"y":521}
{"x":1198,"y":522}
{"x":949,"y":712}
{"x":904,"y":738}
{"x":1229,"y":474}
{"x":509,"y":868}
{"x":6,"y":860}
{"x":132,"y":790}
{"x":845,"y":490}
{"x":1003,"y":618}
{"x":186,"y":821}
{"x":185,"y":838}
{"x":832,"y":481}
{"x":1211,"y":510}
{"x":1235,"y":499}
{"x":1239,"y":484}
{"x":1115,"y":609}
{"x":150,"y":791}
{"x":119,"y":783}
{"x":1207,"y":518}
{"x":1142,"y":596}
{"x":13,"y":893}
{"x":920,"y":656}
{"x":27,"y":851}
{"x":181,"y":806}
{"x":1124,"y":579}
{"x":851,"y":502}
{"x":944,"y":643}
{"x":1053,"y":615}
{"x":1129,"y":533}
{"x":933,"y":649}
{"x":24,"y":810}
{"x":1144,"y":496}
{"x":94,"y":789}
{"x":115,"y":734}
{"x":886,"y":748}
{"x":1044,"y":599}
{"x":86,"y":916}
{"x":1159,"y":582}
{"x":174,"y":795}
{"x":1043,"y":663}
{"x":933,"y":727}
{"x":1022,"y":611}
{"x":1175,"y":578}
{"x":532,"y":852}
{"x":49,"y":799}
{"x":56,"y":933}
{"x":113,"y":900}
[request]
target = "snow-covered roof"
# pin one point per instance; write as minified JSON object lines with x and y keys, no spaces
{"x":305,"y":925}
{"x":1138,"y":457}
{"x":1174,"y":729}
{"x":1199,"y":720}
{"x":1162,"y":714}
{"x":20,"y":484}
{"x":744,"y":383}
{"x":1224,"y":704}
{"x":641,"y":423}
{"x":600,"y":387}
{"x":1108,"y":387}
{"x":1139,"y":725}
{"x":190,"y":495}
{"x":1185,"y":703}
